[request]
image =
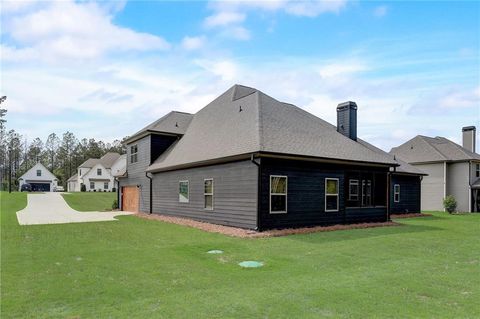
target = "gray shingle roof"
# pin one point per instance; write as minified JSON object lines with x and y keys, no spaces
{"x":174,"y":123}
{"x":432,"y":149}
{"x":73,"y":178}
{"x":106,"y":160}
{"x":244,"y":120}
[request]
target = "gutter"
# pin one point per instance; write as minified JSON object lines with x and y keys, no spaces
{"x":470,"y":186}
{"x":150,"y":178}
{"x":259,"y":189}
{"x":389,"y":183}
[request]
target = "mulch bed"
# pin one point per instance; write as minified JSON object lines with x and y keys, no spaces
{"x":246,"y":233}
{"x":412,"y":215}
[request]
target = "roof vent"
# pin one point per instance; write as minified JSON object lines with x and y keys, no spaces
{"x":240,"y":109}
{"x":176,"y":124}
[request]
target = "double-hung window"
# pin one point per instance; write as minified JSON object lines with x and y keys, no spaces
{"x":331,"y":194}
{"x":366,"y":192}
{"x":278,"y":194}
{"x":105,"y":185}
{"x":99,"y":171}
{"x":92,"y":185}
{"x":208,"y":193}
{"x":39,"y":172}
{"x":183,"y":192}
{"x":353,"y":189}
{"x":134,"y":153}
{"x":396,"y":193}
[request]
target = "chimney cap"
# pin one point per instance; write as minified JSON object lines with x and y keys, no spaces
{"x":468,"y":128}
{"x":348,"y":104}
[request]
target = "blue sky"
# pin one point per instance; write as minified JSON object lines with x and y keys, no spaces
{"x":105,"y":69}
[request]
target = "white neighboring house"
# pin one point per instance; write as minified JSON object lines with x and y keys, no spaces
{"x":97,"y":174}
{"x":41,"y":179}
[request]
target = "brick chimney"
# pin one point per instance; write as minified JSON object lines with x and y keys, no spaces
{"x":468,"y":137}
{"x":347,"y":119}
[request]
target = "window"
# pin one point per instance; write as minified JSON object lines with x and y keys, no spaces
{"x":39,"y":172}
{"x":396,"y":193}
{"x":331,"y":194}
{"x":134,"y":153}
{"x":366,"y":193}
{"x":208,"y":193}
{"x":99,"y":171}
{"x":477,"y":170}
{"x":183,"y":192}
{"x":105,"y":185}
{"x":278,"y":194}
{"x":92,"y":185}
{"x":353,"y":189}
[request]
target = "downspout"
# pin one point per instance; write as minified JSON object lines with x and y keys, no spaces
{"x":259,"y":190}
{"x":118,"y":192}
{"x":150,"y":178}
{"x":444,"y":181}
{"x":389,"y":183}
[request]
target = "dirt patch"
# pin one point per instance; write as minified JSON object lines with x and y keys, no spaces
{"x":412,"y":215}
{"x":246,"y":233}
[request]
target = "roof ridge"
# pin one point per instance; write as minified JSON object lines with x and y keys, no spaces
{"x":422,"y":137}
{"x":260,"y":121}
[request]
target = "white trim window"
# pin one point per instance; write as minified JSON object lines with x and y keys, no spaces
{"x":183,"y":192}
{"x":208,"y":193}
{"x":331,"y":194}
{"x":134,"y":153}
{"x":353,"y":189}
{"x":396,"y":193}
{"x":99,"y":172}
{"x":39,"y":172}
{"x":278,"y":194}
{"x":105,"y":185}
{"x":92,"y":185}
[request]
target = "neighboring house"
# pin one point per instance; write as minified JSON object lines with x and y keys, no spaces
{"x":98,"y":174}
{"x":452,"y":169}
{"x":248,"y":160}
{"x":41,"y":179}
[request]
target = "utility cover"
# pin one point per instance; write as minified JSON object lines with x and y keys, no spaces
{"x":215,"y":251}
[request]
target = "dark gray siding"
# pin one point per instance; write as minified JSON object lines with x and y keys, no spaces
{"x":136,"y":172}
{"x":306,"y":195}
{"x":410,"y":194}
{"x":159,"y":143}
{"x":235,"y":194}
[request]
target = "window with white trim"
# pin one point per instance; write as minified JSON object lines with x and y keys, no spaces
{"x":39,"y":172}
{"x":134,"y":153}
{"x":105,"y":185}
{"x":477,"y":170}
{"x":92,"y":185}
{"x":353,"y":189}
{"x":183,"y":196}
{"x":396,"y":193}
{"x":278,"y":194}
{"x":331,"y":194}
{"x":99,"y":171}
{"x":208,"y":193}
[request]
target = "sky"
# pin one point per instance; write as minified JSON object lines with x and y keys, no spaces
{"x":106,"y":69}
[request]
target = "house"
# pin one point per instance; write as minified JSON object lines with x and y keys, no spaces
{"x":250,"y":161}
{"x":452,"y":169}
{"x":41,"y":179}
{"x":98,"y":174}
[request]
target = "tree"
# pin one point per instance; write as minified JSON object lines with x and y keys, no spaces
{"x":35,"y":152}
{"x":450,"y":204}
{"x":51,"y":149}
{"x":67,"y":146}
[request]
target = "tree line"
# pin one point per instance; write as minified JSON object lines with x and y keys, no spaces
{"x":61,"y":154}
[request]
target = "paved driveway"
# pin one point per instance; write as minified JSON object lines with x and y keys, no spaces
{"x":51,"y":208}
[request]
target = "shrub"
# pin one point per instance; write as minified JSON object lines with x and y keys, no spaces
{"x":94,"y":190}
{"x":450,"y":204}
{"x":83,"y":188}
{"x":115,"y":204}
{"x":114,"y":189}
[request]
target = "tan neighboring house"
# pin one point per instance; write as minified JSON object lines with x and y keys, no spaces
{"x":452,"y":169}
{"x":98,"y":174}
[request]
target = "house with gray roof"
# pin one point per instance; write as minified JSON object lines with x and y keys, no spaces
{"x":98,"y":174}
{"x":452,"y":169}
{"x":248,"y":160}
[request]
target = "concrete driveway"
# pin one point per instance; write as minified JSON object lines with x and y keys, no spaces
{"x":51,"y":208}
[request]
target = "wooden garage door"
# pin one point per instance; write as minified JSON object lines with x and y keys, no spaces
{"x":130,"y":198}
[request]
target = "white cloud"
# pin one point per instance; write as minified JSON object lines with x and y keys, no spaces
{"x":456,"y":98}
{"x":380,"y":11}
{"x":341,"y":68}
{"x":239,"y":33}
{"x":223,"y":69}
{"x":223,"y":18}
{"x":193,"y":43}
{"x":70,"y":30}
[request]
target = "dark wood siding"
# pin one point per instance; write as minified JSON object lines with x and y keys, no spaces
{"x":306,"y":195}
{"x":234,"y":194}
{"x":410,"y":194}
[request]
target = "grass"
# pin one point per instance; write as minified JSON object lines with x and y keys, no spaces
{"x":136,"y":268}
{"x":90,"y":201}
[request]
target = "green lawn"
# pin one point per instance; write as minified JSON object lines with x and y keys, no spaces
{"x":135,"y":268}
{"x":90,"y":201}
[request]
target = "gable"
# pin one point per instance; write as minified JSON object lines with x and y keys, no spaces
{"x":31,"y":174}
{"x":92,"y":173}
